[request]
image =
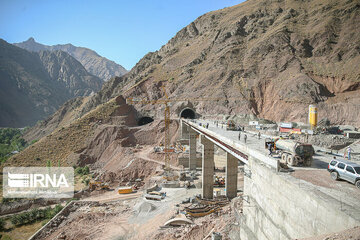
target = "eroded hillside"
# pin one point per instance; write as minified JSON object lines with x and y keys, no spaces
{"x":267,"y":58}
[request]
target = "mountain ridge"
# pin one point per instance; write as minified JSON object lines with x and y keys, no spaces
{"x":92,"y":61}
{"x":260,"y":58}
{"x":266,"y":59}
{"x":34,"y":85}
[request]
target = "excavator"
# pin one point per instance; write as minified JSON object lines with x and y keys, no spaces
{"x":97,"y":185}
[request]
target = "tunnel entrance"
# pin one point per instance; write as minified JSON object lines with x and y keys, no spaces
{"x":187,"y":113}
{"x":145,"y":120}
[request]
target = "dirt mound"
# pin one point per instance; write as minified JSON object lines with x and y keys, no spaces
{"x":144,"y":208}
{"x":83,"y":140}
{"x":138,"y":169}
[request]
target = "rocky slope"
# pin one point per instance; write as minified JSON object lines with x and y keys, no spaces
{"x":67,"y":70}
{"x":267,"y":58}
{"x":105,"y":138}
{"x":34,"y":85}
{"x":93,"y":63}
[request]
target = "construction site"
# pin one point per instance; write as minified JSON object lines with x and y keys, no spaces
{"x":215,"y":178}
{"x":244,"y":125}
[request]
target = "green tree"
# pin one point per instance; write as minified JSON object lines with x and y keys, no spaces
{"x":48,"y":163}
{"x":2,"y":224}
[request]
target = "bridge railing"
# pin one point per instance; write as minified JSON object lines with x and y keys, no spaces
{"x":240,"y":151}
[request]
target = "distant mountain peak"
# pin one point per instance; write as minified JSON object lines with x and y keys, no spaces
{"x":31,"y":39}
{"x":34,"y":85}
{"x":93,"y":62}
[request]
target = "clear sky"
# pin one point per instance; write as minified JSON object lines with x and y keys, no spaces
{"x":122,"y":31}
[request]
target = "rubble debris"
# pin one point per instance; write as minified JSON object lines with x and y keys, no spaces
{"x":153,"y":188}
{"x":144,"y":208}
{"x":171,"y":184}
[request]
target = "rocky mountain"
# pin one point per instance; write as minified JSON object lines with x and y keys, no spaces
{"x":265,"y":58}
{"x":33,"y":85}
{"x":93,"y":62}
{"x":269,"y":59}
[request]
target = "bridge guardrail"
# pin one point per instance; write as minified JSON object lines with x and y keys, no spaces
{"x":240,"y":151}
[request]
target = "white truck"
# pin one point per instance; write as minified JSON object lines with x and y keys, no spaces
{"x":294,"y":153}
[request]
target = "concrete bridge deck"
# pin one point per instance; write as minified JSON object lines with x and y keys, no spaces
{"x":278,"y":205}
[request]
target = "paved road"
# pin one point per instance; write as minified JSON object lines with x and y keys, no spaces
{"x":316,"y":174}
{"x":320,"y":159}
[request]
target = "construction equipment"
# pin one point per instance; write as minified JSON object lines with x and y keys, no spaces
{"x":157,"y":196}
{"x":201,"y":211}
{"x":165,"y":101}
{"x":125,"y":190}
{"x":97,"y":185}
{"x":294,"y":153}
{"x":313,"y":116}
{"x":230,"y":125}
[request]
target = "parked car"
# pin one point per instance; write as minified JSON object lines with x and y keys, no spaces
{"x":348,"y":171}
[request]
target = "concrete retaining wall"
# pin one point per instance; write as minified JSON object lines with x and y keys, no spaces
{"x":279,"y":206}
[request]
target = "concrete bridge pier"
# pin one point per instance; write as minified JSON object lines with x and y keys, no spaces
{"x":184,"y":131}
{"x":231,"y":175}
{"x":207,"y":167}
{"x":192,"y":151}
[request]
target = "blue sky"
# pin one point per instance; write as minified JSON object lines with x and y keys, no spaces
{"x":122,"y":31}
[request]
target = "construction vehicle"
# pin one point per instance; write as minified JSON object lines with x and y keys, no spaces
{"x":125,"y":190}
{"x":230,"y":125}
{"x":97,"y":185}
{"x":157,"y":196}
{"x":294,"y":153}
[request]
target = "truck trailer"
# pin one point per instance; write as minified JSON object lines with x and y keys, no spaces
{"x":294,"y":153}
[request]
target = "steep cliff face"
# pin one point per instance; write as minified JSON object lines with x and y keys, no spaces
{"x":268,"y":58}
{"x":34,"y":85}
{"x":68,"y":71}
{"x":93,"y":62}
